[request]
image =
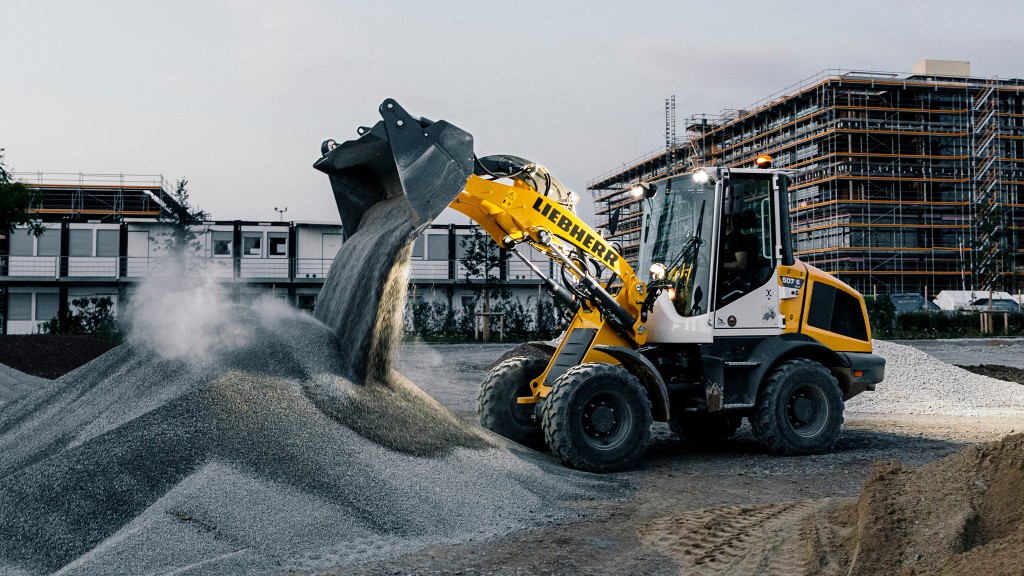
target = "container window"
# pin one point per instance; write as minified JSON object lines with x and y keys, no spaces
{"x":107,"y":243}
{"x":79,"y":242}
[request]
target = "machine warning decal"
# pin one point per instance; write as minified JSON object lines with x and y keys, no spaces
{"x":510,"y":197}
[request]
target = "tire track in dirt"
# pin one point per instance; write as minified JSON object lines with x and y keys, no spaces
{"x":739,"y":540}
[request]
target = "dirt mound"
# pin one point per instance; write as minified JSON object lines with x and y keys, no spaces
{"x":959,"y":515}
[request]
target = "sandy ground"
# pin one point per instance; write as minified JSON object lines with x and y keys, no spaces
{"x":693,"y":511}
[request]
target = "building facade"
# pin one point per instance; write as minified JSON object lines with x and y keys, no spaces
{"x":105,"y":236}
{"x":900,"y":183}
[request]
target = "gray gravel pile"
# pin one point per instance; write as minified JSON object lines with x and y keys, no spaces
{"x":260,"y":450}
{"x":14,"y":383}
{"x":916,"y":383}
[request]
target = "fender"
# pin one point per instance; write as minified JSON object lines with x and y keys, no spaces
{"x":548,"y":346}
{"x":745,"y":377}
{"x":650,"y":379}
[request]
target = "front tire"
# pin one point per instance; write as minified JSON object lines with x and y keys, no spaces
{"x":799,"y":409}
{"x":597,"y":418}
{"x":496,"y":404}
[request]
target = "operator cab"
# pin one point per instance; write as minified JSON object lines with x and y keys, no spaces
{"x":717,"y":234}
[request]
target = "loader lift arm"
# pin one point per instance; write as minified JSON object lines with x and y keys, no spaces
{"x":519,"y":213}
{"x":596,"y":369}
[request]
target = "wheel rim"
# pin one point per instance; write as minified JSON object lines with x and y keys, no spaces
{"x":605,"y":421}
{"x":807,"y":410}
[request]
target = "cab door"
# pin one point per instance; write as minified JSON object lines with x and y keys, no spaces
{"x":747,"y":299}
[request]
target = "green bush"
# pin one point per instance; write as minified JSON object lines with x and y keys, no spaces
{"x":94,"y":316}
{"x":523,"y":320}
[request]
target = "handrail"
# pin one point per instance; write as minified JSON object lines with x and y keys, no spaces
{"x":232,"y":269}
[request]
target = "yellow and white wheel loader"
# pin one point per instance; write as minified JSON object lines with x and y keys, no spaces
{"x":697,"y":343}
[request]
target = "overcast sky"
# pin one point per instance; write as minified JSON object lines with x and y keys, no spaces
{"x":237,"y":96}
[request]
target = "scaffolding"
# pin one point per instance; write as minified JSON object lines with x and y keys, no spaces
{"x":900,"y":183}
{"x":109,"y":197}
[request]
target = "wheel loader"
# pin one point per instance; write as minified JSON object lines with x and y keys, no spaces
{"x":726,"y":324}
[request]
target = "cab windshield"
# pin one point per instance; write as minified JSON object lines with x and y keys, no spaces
{"x":682,"y":221}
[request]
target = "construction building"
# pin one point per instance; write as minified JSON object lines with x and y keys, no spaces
{"x":106,"y":234}
{"x":900,"y":183}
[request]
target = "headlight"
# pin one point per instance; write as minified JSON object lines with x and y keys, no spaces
{"x":658,"y":271}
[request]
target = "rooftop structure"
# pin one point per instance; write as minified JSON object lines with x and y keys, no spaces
{"x":900,"y":182}
{"x":105,"y":197}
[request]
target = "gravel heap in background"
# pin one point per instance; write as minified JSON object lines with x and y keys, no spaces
{"x":243,"y":463}
{"x":916,"y":383}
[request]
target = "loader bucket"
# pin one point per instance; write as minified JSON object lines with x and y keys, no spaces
{"x":425,"y":162}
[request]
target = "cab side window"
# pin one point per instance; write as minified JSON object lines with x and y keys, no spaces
{"x":746,"y":254}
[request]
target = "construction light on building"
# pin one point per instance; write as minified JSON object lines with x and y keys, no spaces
{"x":643,"y":190}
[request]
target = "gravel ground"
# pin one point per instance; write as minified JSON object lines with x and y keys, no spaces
{"x":973,"y":351}
{"x":247,"y":478}
{"x":919,"y":383}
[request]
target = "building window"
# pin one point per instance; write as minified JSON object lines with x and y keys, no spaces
{"x":461,"y":242}
{"x":417,"y":248}
{"x":49,"y":243}
{"x":221,"y":243}
{"x":108,"y":243}
{"x":19,"y":306}
{"x":278,"y":243}
{"x":437,"y":247}
{"x":79,"y":242}
{"x":47,"y":306}
{"x":306,"y":301}
{"x":468,"y":303}
{"x":252,"y":244}
{"x":22,"y":243}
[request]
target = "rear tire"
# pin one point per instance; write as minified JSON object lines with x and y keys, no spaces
{"x":496,"y":404}
{"x":705,"y":428}
{"x":597,"y":418}
{"x":799,"y":409}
